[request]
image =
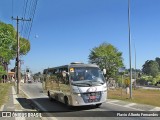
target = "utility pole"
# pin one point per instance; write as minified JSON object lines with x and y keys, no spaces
{"x":135,"y":64}
{"x":130,"y":56}
{"x":18,"y":50}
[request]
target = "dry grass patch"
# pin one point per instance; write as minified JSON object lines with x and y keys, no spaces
{"x":4,"y":89}
{"x":149,"y":97}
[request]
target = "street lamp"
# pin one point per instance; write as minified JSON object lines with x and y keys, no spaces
{"x":130,"y":61}
{"x":135,"y":63}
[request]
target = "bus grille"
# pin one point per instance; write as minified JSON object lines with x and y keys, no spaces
{"x":91,"y":97}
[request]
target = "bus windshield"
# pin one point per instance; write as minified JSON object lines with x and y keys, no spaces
{"x":91,"y":75}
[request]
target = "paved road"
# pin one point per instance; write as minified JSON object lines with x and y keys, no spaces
{"x":59,"y":110}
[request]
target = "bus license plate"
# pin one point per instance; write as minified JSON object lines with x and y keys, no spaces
{"x":92,"y":97}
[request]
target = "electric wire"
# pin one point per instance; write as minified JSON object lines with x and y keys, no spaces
{"x":31,"y":12}
{"x":12,"y":10}
{"x":32,"y":18}
{"x":25,"y":9}
{"x":27,"y":24}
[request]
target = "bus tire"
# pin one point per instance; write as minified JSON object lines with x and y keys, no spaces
{"x":98,"y":105}
{"x":50,"y":98}
{"x":67,"y":102}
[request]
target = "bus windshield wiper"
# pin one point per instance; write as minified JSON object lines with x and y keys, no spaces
{"x":88,"y":83}
{"x":81,"y":84}
{"x":100,"y":82}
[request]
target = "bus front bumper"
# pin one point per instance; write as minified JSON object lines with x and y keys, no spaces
{"x":78,"y":100}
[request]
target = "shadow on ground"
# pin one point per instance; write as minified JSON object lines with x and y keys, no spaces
{"x":50,"y":106}
{"x":54,"y":108}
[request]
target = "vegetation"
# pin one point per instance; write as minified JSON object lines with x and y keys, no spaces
{"x":7,"y":40}
{"x":158,"y":61}
{"x":107,"y":57}
{"x":4,"y":89}
{"x":151,"y":72}
{"x":151,"y":67}
{"x":146,"y":79}
{"x":149,"y":97}
{"x":9,"y":44}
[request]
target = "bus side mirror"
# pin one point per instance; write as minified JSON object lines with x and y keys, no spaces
{"x":104,"y":71}
{"x":65,"y":74}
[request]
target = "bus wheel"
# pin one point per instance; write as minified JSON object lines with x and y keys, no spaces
{"x":50,"y":98}
{"x":98,"y":105}
{"x":67,"y":103}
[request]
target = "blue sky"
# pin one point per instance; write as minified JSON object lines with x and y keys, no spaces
{"x":68,"y":29}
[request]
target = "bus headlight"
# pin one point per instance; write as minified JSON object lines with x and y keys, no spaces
{"x":77,"y":94}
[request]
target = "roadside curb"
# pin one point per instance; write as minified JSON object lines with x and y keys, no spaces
{"x":132,"y":105}
{"x":14,"y":96}
{"x":116,"y":102}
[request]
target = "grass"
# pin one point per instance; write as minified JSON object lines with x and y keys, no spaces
{"x":4,"y":89}
{"x":149,"y":97}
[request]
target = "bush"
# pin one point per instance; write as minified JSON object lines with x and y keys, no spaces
{"x":154,"y":81}
{"x":142,"y":82}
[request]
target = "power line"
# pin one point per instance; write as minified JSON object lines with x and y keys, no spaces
{"x":23,"y":7}
{"x":27,"y":24}
{"x":12,"y":10}
{"x":24,"y":14}
{"x":32,"y":18}
{"x":30,"y":12}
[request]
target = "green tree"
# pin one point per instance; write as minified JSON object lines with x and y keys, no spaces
{"x":151,"y":67}
{"x":8,"y":44}
{"x":7,"y":40}
{"x":158,"y":61}
{"x":107,"y":57}
{"x":24,"y":46}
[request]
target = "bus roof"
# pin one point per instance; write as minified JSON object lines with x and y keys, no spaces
{"x":72,"y":65}
{"x":83,"y":65}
